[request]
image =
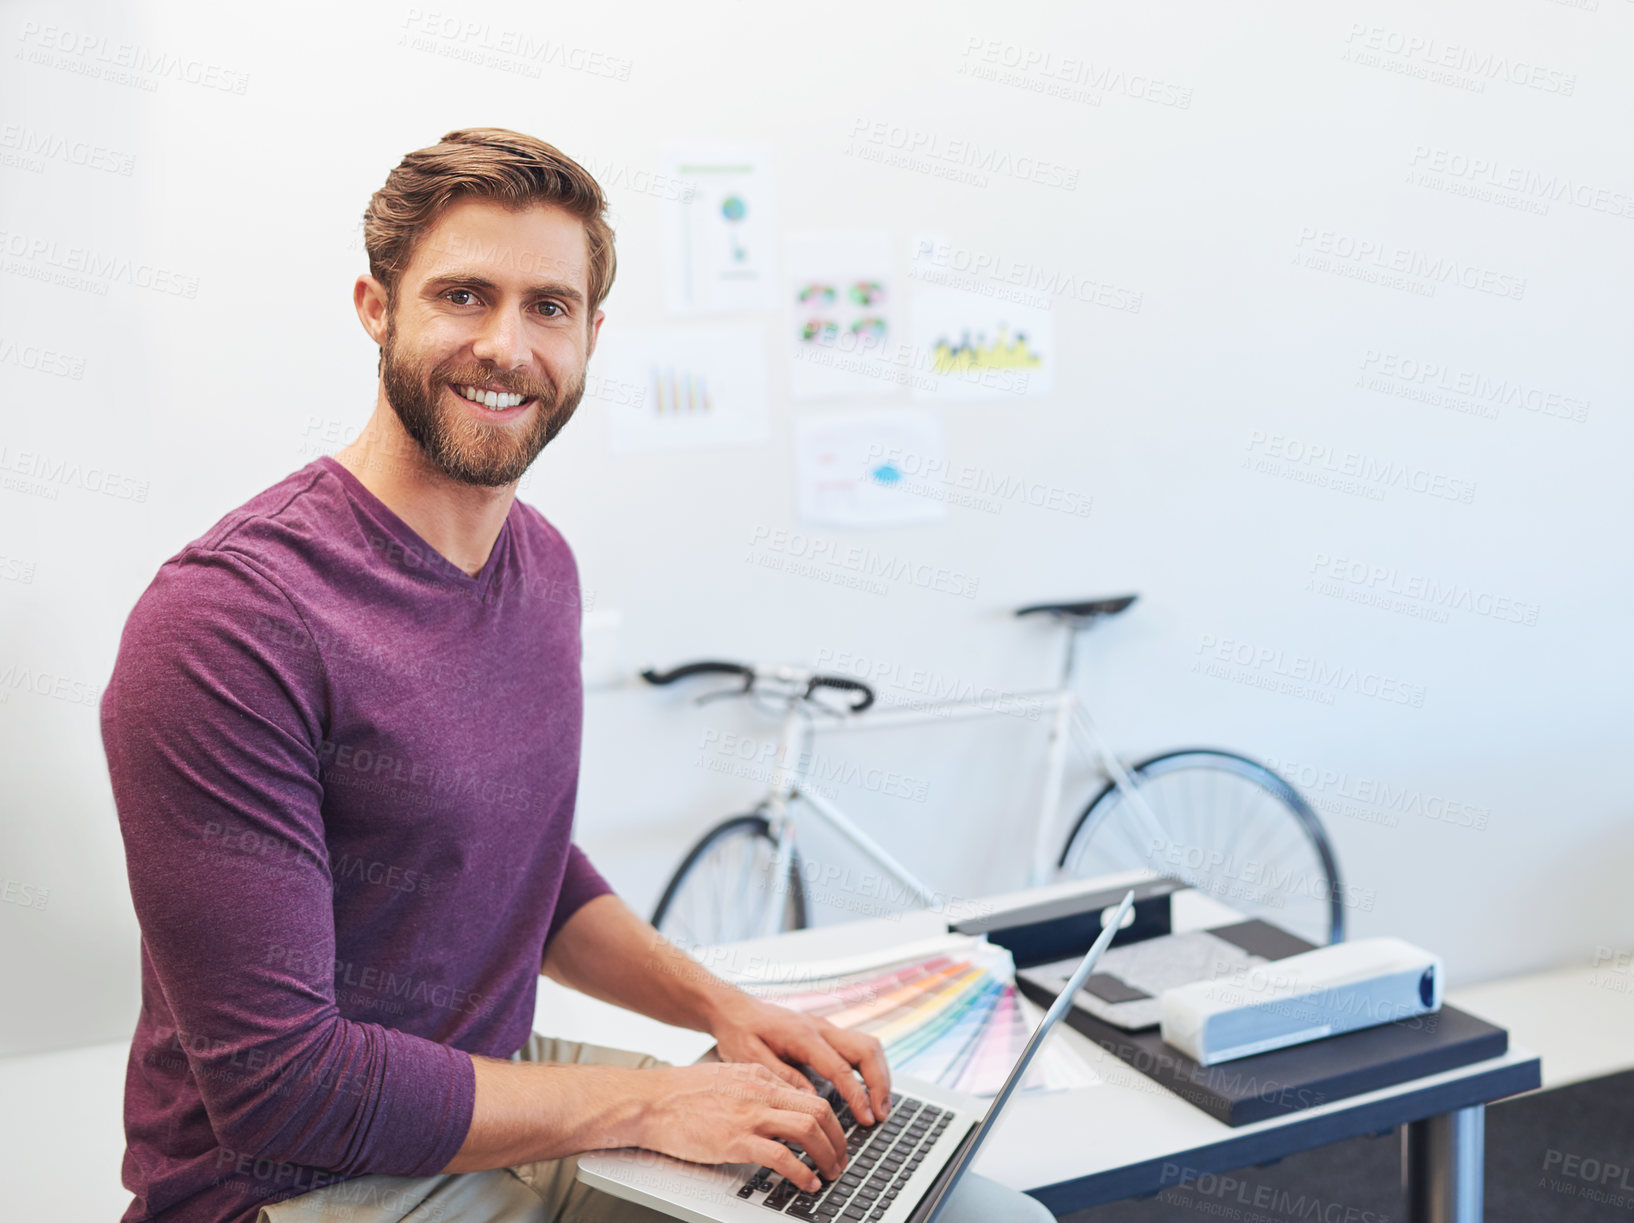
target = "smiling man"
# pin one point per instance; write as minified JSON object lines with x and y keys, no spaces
{"x":343,"y":735}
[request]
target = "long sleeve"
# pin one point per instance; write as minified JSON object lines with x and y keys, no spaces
{"x":213,"y":724}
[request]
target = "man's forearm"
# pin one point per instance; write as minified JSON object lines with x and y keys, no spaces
{"x":607,"y":951}
{"x":527,"y":1111}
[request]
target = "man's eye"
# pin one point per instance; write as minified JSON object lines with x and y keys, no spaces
{"x":453,"y":293}
{"x":551,"y":306}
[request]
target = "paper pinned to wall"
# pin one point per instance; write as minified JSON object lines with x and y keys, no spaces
{"x":853,"y":468}
{"x":683,"y":387}
{"x":970,"y":346}
{"x":719,"y":233}
{"x":842,"y":314}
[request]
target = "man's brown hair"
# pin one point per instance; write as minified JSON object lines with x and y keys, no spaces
{"x":490,"y":163}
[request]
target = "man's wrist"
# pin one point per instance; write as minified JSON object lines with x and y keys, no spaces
{"x":626,"y":1121}
{"x":726,"y":1006}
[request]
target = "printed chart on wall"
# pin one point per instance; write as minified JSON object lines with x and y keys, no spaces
{"x":718,"y":237}
{"x":842,"y":315}
{"x":688,"y":387}
{"x":970,"y":346}
{"x":853,"y":469}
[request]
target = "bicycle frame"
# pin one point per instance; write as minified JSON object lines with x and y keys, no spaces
{"x":1069,"y":723}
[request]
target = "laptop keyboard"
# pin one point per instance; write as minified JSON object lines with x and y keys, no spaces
{"x":879,"y":1160}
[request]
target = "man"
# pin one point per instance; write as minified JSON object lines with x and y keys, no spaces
{"x":343,"y":735}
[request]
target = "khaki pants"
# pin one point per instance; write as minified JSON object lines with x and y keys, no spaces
{"x":542,"y":1192}
{"x":550,"y":1192}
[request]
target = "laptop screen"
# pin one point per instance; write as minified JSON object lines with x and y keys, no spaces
{"x":935,"y":1200}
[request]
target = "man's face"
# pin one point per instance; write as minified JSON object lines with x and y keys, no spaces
{"x":493,"y":305}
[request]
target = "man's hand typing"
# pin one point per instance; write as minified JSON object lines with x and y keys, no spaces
{"x":724,"y":1112}
{"x":747,"y":1029}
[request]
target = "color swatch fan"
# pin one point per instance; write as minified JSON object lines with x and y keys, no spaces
{"x":952,"y":1017}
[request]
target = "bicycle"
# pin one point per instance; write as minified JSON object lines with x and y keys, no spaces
{"x":1218,"y":820}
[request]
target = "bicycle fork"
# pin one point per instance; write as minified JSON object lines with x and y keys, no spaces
{"x":1158,"y":835}
{"x":791,"y":749}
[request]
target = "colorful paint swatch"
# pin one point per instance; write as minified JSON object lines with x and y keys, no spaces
{"x":951,"y":1019}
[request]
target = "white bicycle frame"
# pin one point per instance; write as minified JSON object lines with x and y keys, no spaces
{"x":1069,"y":723}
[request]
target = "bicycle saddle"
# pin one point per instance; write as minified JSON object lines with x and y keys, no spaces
{"x":1088,"y":609}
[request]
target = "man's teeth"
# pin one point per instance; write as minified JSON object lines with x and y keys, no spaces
{"x":497,"y":400}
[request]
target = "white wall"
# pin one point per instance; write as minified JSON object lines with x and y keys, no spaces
{"x":203,"y":399}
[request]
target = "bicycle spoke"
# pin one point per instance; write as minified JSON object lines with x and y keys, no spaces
{"x":724,"y":891}
{"x":1198,"y":816}
{"x":1243,"y":840}
{"x":745,"y":876}
{"x":1276,"y":832}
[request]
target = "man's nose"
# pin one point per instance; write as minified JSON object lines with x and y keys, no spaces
{"x":503,"y":341}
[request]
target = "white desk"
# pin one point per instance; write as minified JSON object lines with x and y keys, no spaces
{"x":1128,"y":1135}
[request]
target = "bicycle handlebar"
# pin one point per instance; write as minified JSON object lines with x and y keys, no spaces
{"x":849,"y":685}
{"x":705,"y":667}
{"x":750,"y":675}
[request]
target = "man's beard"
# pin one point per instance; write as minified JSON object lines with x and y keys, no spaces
{"x":463,"y":449}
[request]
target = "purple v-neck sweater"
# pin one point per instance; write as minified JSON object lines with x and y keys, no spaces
{"x":345,"y":772}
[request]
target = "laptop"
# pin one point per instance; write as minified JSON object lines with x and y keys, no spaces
{"x":902,"y":1170}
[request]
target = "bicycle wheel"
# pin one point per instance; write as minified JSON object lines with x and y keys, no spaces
{"x":722,"y":890}
{"x":1230,"y":827}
